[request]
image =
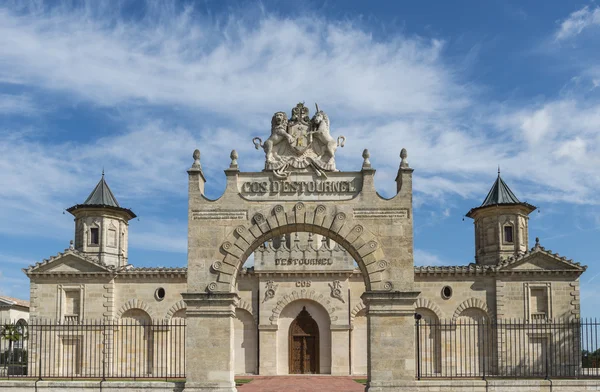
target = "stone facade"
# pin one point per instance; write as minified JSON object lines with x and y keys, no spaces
{"x":14,"y":310}
{"x":322,"y":242}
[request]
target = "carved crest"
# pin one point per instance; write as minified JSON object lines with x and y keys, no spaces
{"x":300,"y":144}
{"x":336,"y":290}
{"x":270,"y":290}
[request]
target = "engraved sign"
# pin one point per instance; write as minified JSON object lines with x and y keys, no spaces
{"x":305,"y":186}
{"x":377,"y":213}
{"x":315,"y":261}
{"x":220,"y":214}
{"x":299,"y":187}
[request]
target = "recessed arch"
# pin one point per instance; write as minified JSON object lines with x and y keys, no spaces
{"x":134,"y":304}
{"x":353,"y":236}
{"x":303,"y":294}
{"x":428,"y":304}
{"x":175,"y":308}
{"x":472,"y":303}
{"x":357,"y":308}
{"x":243,"y":304}
{"x":288,"y":314}
{"x":182,"y":306}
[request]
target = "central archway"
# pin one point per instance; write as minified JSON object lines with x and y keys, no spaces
{"x":352,"y":235}
{"x":256,"y":207}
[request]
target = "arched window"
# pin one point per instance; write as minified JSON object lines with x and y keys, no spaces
{"x":134,"y":351}
{"x":474,"y":342}
{"x":429,"y":342}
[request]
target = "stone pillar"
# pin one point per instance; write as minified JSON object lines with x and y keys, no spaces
{"x":209,"y":349}
{"x":340,"y":353}
{"x":391,"y":339}
{"x":267,"y":361}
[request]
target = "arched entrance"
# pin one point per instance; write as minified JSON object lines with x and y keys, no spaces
{"x":299,"y":194}
{"x":304,"y":344}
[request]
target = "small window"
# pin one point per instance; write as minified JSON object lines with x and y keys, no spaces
{"x":447,"y":292}
{"x":160,"y":294}
{"x":94,"y":236}
{"x":508,"y":234}
{"x":112,"y":237}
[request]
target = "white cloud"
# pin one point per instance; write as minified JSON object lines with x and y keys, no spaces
{"x":425,"y":258}
{"x":232,"y":74}
{"x":577,"y":22}
{"x":234,"y":67}
{"x":536,"y":125}
{"x":16,"y":104}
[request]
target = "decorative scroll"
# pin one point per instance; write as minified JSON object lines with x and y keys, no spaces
{"x":336,"y":290}
{"x":270,"y":292}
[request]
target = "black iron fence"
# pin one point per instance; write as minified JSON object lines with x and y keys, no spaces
{"x":126,"y":349}
{"x":131,"y":349}
{"x":509,"y":348}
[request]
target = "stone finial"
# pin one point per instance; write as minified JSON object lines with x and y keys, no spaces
{"x":196,"y":165}
{"x":403,"y":156}
{"x":234,"y":159}
{"x":366,"y":155}
{"x":537,"y":242}
{"x":71,"y":245}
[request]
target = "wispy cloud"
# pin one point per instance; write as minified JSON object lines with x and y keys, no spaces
{"x":226,"y":76}
{"x":179,"y":57}
{"x":426,"y":258}
{"x":578,"y":21}
{"x":16,"y":104}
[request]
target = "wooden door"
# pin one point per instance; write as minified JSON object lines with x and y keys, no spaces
{"x":310,"y":350}
{"x":296,"y":355}
{"x":304,"y":345}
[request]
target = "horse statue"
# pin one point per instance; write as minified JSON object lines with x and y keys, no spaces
{"x":320,"y":132}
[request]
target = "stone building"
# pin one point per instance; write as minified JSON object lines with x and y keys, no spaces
{"x":14,"y":309}
{"x":301,"y":308}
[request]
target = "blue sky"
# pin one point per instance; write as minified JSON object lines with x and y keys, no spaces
{"x":133,"y":87}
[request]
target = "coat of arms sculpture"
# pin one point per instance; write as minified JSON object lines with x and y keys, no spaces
{"x":300,"y":143}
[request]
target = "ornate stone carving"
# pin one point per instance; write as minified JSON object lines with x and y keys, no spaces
{"x":336,"y":290}
{"x":270,"y":292}
{"x":300,"y":144}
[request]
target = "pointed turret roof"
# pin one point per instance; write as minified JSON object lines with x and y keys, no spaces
{"x":501,"y":195}
{"x":102,"y":197}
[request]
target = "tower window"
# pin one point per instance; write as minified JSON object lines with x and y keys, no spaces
{"x":94,"y":236}
{"x":508,"y":234}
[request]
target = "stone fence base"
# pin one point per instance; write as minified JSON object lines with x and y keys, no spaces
{"x":409,"y":386}
{"x":491,"y":386}
{"x":89,"y":386}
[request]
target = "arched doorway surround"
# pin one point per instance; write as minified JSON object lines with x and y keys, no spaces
{"x":315,"y":322}
{"x":256,"y":207}
{"x":303,"y":344}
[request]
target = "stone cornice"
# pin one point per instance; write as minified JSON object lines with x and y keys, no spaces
{"x":304,"y":273}
{"x":504,"y":267}
{"x":67,"y":252}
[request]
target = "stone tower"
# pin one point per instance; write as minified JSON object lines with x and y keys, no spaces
{"x":101,"y":226}
{"x":501,"y":225}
